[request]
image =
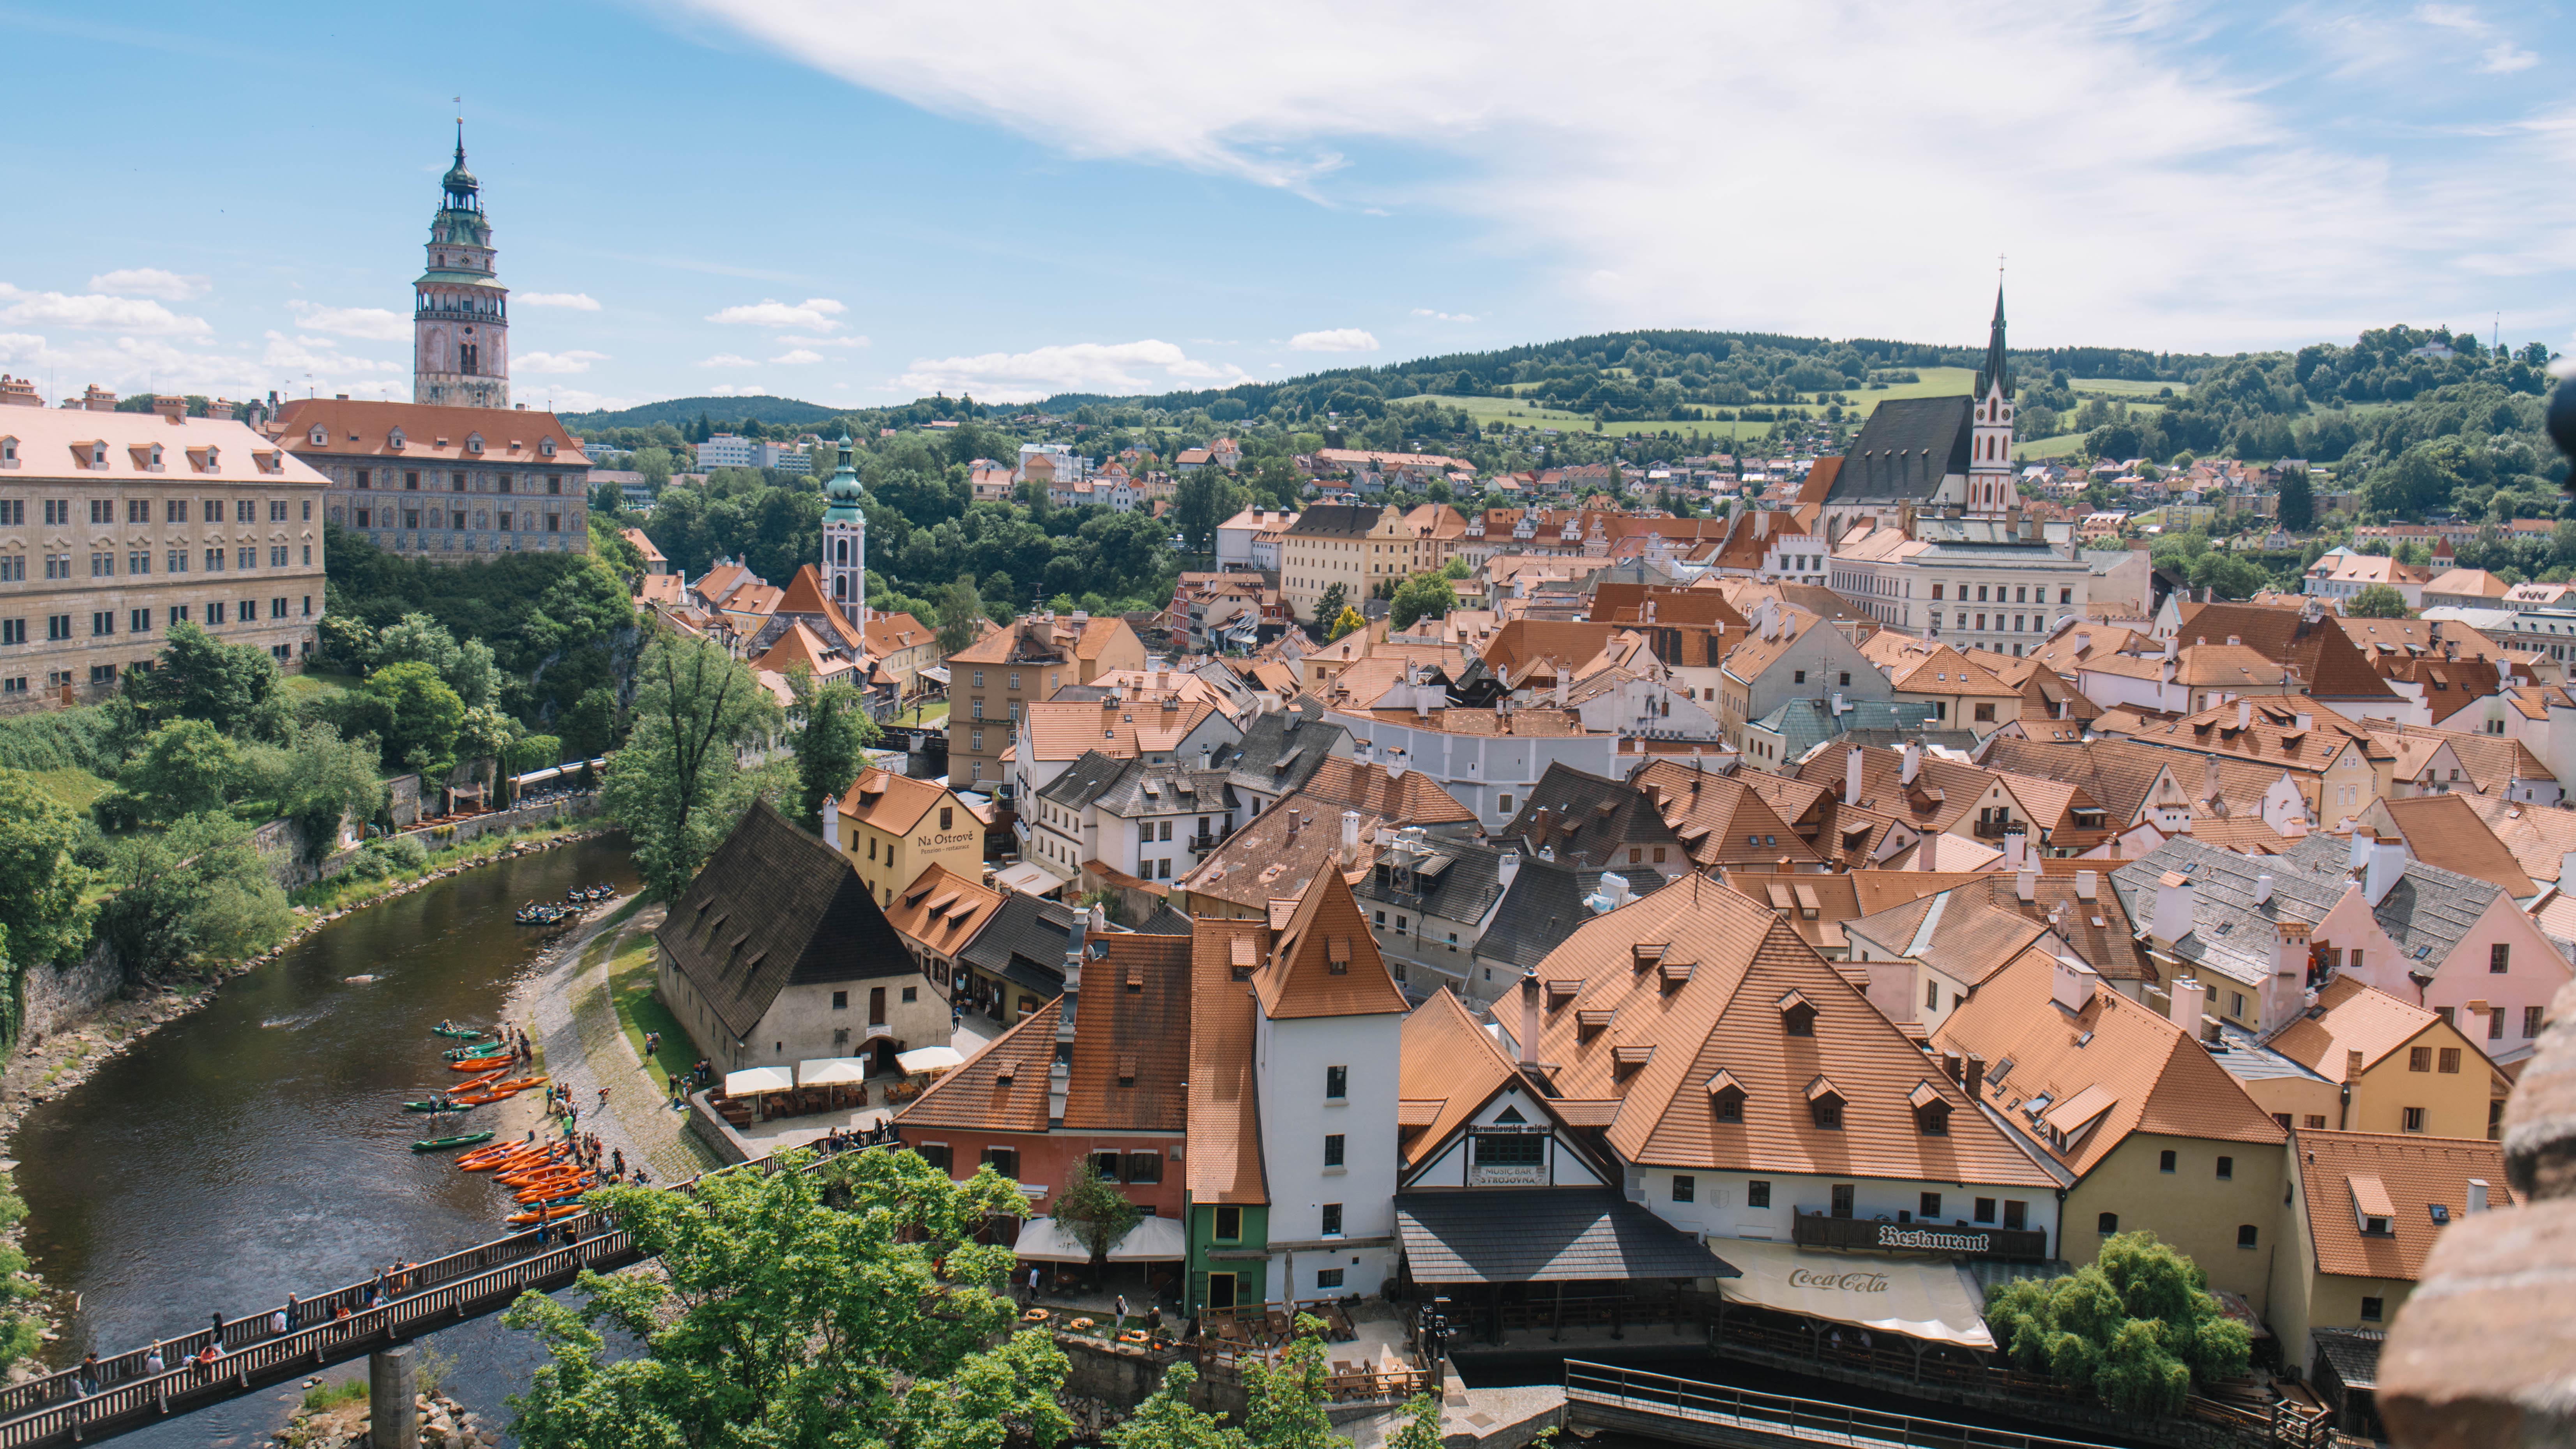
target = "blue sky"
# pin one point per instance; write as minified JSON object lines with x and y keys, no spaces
{"x":861,"y":203}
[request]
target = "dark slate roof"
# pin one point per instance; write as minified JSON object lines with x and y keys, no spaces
{"x":1250,"y":763}
{"x":1461,"y":891}
{"x":1908,"y":446}
{"x":1589,"y":820}
{"x":1543,"y":906}
{"x":775,"y":907}
{"x":1167,"y":922}
{"x":1084,"y":779}
{"x":1544,"y":1235}
{"x":1024,"y":942}
{"x":2354,"y":1353}
{"x":1336,"y":520}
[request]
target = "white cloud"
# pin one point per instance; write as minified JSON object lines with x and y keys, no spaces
{"x":2504,"y":56}
{"x":94,"y":312}
{"x":574,"y":400}
{"x":2122,"y":114}
{"x":576,"y":301}
{"x":738,"y":389}
{"x":1108,"y":367}
{"x":798,"y":357}
{"x":372,"y":324}
{"x":1336,"y":339}
{"x":850,"y":341}
{"x":555,"y":363}
{"x":814,"y":314}
{"x":1443,"y":316}
{"x":151,"y":282}
{"x":317,"y":355}
{"x":726,"y":359}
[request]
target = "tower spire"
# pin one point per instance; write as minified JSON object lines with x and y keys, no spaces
{"x":1997,"y":370}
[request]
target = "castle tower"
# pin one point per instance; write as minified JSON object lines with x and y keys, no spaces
{"x":1991,"y":493}
{"x":845,"y":540}
{"x":460,"y":313}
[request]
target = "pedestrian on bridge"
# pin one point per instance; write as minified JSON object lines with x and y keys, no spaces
{"x":277,"y":1324}
{"x":294,"y":1311}
{"x":87,"y":1383}
{"x":219,"y":1327}
{"x":152,"y":1364}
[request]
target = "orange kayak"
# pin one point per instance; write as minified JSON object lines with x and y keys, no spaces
{"x":538,"y":1178}
{"x":480,"y":1095}
{"x":544,"y":1215}
{"x":521,"y":1160}
{"x":482,"y":1064}
{"x":499,"y":1153}
{"x":550,"y":1190}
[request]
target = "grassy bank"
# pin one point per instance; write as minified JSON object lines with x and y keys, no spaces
{"x":341,"y":893}
{"x":630,"y":990}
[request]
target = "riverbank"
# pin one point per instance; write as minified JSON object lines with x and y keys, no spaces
{"x":40,"y":1070}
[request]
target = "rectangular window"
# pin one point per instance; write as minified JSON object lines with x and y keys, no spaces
{"x":58,"y":626}
{"x":1685,"y":1187}
{"x":2372,"y":1310}
{"x":138,"y":621}
{"x":13,"y":631}
{"x":102,"y":510}
{"x":2165,"y":1160}
{"x":1328,"y":1278}
{"x":840,"y":1001}
{"x":1757,"y":1194}
{"x":1928,"y":1207}
{"x":411,"y":481}
{"x":1003,"y":1160}
{"x":1337,"y":1083}
{"x":365,"y":478}
{"x":2016,"y":1214}
{"x":2451,"y":1057}
{"x":1229,"y":1225}
{"x":1333,"y":1149}
{"x":1985,"y":1210}
{"x":102,"y":622}
{"x":1843,"y":1195}
{"x":2226,"y":1169}
{"x":2419,"y":1059}
{"x":2499,"y":959}
{"x":215,"y":612}
{"x":179,"y":613}
{"x":2531,"y":1021}
{"x":1332,"y":1220}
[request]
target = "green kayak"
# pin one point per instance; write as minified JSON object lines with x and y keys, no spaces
{"x":475,"y":1049}
{"x":438,"y":1107}
{"x":436,"y":1144}
{"x":465,"y":1033}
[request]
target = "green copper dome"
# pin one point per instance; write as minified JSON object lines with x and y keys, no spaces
{"x":841,"y":493}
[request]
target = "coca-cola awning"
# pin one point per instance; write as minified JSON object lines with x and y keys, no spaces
{"x":1926,"y":1300}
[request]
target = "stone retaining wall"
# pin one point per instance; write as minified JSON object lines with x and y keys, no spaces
{"x":64,"y":996}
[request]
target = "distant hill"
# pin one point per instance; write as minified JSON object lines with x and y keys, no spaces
{"x":681,"y":411}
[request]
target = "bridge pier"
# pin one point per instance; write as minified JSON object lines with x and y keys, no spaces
{"x":395,"y":1421}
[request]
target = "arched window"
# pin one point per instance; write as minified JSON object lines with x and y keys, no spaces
{"x":841,"y":586}
{"x":840,"y":550}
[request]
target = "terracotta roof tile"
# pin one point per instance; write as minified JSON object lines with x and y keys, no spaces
{"x":1325,"y":962}
{"x":943,"y":910}
{"x":2409,"y":1175}
{"x":2446,"y":828}
{"x":1224,"y":1142}
{"x":2354,"y":1017}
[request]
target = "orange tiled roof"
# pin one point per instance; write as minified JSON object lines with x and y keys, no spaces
{"x":1326,"y":963}
{"x":430,"y":433}
{"x":2356,"y":1017}
{"x":889,"y":802}
{"x":2407,"y":1175}
{"x":1124,"y":728}
{"x":1224,"y":1143}
{"x":943,"y":910}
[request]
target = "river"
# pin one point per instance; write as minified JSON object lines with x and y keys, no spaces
{"x":257,"y":1145}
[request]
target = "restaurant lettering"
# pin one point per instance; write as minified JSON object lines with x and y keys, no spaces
{"x":1840,"y":1282}
{"x":941,"y":841}
{"x":1892,"y":1236}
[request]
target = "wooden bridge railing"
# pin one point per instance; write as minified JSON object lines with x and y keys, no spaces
{"x":1684,"y":1401}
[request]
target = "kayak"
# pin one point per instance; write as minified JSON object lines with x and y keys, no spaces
{"x":519,"y":1159}
{"x":539,"y":1176}
{"x":544,"y":1215}
{"x":473,"y":1049}
{"x":556,"y":1190}
{"x":435,"y":1144}
{"x":492,"y":1156}
{"x":480,"y":1064}
{"x":498,"y":1091}
{"x":440,"y":1106}
{"x":462,"y":1033}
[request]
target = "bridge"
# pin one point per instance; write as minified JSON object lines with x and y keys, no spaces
{"x":255,"y":1355}
{"x":1686,"y":1411}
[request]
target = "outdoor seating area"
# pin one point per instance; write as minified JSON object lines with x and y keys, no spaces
{"x":1368,"y":1361}
{"x":828,"y":1084}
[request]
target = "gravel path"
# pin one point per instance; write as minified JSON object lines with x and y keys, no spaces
{"x":570,"y":1015}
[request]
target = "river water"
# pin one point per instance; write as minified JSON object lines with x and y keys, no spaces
{"x":258,"y":1146}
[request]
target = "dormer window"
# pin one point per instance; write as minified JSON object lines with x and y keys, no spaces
{"x":1825,"y":1104}
{"x":155,"y":464}
{"x":1337,"y":955}
{"x":319,"y":436}
{"x":1797,"y":1014}
{"x":1726,"y":1097}
{"x":8,"y":452}
{"x":1931,"y":1110}
{"x":474,"y":442}
{"x":394,"y":440}
{"x":98,"y":455}
{"x":547,"y":447}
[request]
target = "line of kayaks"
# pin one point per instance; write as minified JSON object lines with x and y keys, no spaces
{"x":539,"y":913}
{"x":545,"y":1178}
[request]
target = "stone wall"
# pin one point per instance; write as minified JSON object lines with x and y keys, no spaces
{"x":713,"y":1130}
{"x":402,"y":800}
{"x":475,"y":827}
{"x":2483,"y":1354}
{"x":65,"y":996}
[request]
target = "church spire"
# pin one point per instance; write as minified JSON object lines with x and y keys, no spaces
{"x":1997,"y":370}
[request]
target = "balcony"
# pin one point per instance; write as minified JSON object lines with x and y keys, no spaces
{"x":1994,"y":829}
{"x":1813,"y":1229}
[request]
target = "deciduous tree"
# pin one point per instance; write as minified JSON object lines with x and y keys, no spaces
{"x":425,"y":714}
{"x":201,"y":677}
{"x":828,"y":758}
{"x":2377,"y":601}
{"x":2135,"y":1327}
{"x":850,"y":1305}
{"x":677,"y":785}
{"x":198,"y":889}
{"x":1096,"y":1213}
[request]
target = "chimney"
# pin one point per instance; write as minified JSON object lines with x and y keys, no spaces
{"x":2017,"y":852}
{"x":1059,"y":1072}
{"x":1851,"y":784}
{"x":2187,"y":1004}
{"x":2026,"y":883}
{"x":2087,"y":884}
{"x":1528,"y":1043}
{"x":1761,"y":523}
{"x":171,"y":409}
{"x":2285,"y":992}
{"x":1504,"y":871}
{"x":1950,"y":1064}
{"x":2071,"y":984}
{"x":832,"y":823}
{"x":2307,"y":721}
{"x":1295,"y":817}
{"x":2165,"y":672}
{"x":2173,"y":645}
{"x":2173,"y":907}
{"x":1924,"y":854}
{"x":1913,"y":765}
{"x":2262,"y":886}
{"x":1614,"y":889}
{"x":1561,"y":684}
{"x":220,"y":410}
{"x":2387,"y":864}
{"x":1972,"y":1074}
{"x":2244,"y":714}
{"x":2353,"y":1061}
{"x":2212,"y":788}
{"x":2477,"y":1194}
{"x":1350,"y":839}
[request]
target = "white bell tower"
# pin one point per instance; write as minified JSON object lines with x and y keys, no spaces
{"x":845,"y":541}
{"x":1991,"y":493}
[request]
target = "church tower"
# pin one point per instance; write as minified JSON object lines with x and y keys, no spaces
{"x":845,"y":541}
{"x":1991,"y":493}
{"x":460,"y":312}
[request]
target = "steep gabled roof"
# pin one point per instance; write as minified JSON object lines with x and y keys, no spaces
{"x":943,"y":910}
{"x":2407,"y":1175}
{"x":2143,"y":1073}
{"x":1663,"y":1043}
{"x":1325,"y":962}
{"x":1722,"y":819}
{"x":775,"y":907}
{"x":1224,"y":1145}
{"x":2351,"y":1016}
{"x":2446,"y":828}
{"x":1586,"y":819}
{"x":2328,"y":664}
{"x":1904,"y":451}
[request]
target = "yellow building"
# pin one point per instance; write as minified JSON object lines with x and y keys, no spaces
{"x":1355,"y":545}
{"x":893,"y":828}
{"x":993,"y":680}
{"x":2362,"y":1212}
{"x":2154,"y":1134}
{"x":2375,"y":1063}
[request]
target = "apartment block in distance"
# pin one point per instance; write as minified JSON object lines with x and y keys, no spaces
{"x":114,"y":526}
